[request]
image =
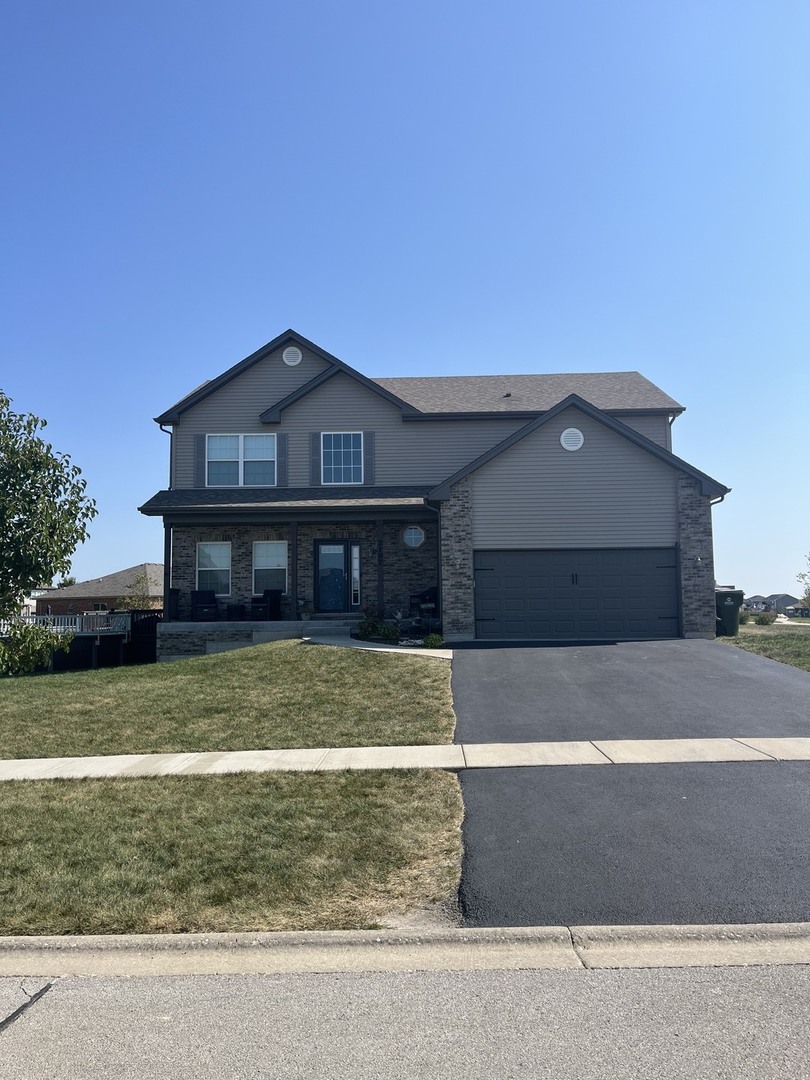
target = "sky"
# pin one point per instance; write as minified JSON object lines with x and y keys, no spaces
{"x":421,"y":189}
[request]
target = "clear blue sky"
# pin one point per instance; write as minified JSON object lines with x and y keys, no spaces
{"x":422,"y":188}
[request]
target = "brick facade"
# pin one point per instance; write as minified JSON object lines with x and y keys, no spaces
{"x":458,"y":579}
{"x":696,"y":560}
{"x":405,"y":570}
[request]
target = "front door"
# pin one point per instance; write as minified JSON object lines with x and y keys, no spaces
{"x":337,"y":575}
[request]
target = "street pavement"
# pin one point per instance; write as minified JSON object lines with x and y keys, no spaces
{"x":721,"y":1023}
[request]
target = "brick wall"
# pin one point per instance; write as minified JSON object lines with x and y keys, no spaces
{"x":458,"y":580}
{"x":696,"y":558}
{"x":405,"y":570}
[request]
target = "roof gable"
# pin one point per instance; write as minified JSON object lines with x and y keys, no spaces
{"x":273,"y":414}
{"x":709,"y":487}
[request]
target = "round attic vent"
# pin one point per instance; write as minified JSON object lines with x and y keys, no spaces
{"x":292,"y":356}
{"x":572,"y":438}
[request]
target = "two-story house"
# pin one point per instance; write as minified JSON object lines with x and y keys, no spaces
{"x":536,"y":506}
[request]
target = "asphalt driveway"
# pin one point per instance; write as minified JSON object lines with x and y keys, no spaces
{"x":631,"y":690}
{"x":629,"y":844}
{"x":590,"y":844}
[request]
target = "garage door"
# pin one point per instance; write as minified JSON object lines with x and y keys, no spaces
{"x":610,"y":594}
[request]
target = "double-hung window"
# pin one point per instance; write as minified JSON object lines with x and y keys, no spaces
{"x":240,"y":460}
{"x":269,"y":565}
{"x":342,"y":457}
{"x":214,"y":567}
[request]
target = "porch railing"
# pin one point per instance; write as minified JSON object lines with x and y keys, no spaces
{"x":95,"y":623}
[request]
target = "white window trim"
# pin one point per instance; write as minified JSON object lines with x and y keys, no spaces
{"x":286,"y":589}
{"x":343,"y":483}
{"x":241,"y":461}
{"x":202,"y":543}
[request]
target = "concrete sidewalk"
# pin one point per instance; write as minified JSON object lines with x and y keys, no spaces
{"x":455,"y":757}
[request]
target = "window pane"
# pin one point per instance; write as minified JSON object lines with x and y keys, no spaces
{"x":269,"y":579}
{"x":223,"y":447}
{"x":214,"y":556}
{"x":342,"y":454}
{"x":218,"y":580}
{"x":260,"y":473}
{"x":269,"y":553}
{"x":223,"y":473}
{"x":260,"y":447}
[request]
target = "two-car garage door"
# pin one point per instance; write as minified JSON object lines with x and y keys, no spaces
{"x":607,"y":594}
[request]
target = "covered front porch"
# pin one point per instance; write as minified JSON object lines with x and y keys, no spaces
{"x":241,"y":575}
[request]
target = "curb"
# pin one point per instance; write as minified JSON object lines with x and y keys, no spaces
{"x":507,"y":948}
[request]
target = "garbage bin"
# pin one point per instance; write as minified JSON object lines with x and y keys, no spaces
{"x":728,"y":602}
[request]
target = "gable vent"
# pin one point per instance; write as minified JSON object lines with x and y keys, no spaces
{"x":292,"y":356}
{"x":572,"y":438}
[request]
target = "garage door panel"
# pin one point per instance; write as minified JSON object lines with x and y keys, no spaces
{"x":573,"y":595}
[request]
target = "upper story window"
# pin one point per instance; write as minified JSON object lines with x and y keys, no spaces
{"x":240,"y":460}
{"x":342,"y":457}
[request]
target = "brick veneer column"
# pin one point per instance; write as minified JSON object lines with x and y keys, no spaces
{"x":458,"y":581}
{"x":696,"y":557}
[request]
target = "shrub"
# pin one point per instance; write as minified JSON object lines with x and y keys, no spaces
{"x":25,"y":647}
{"x":765,"y":618}
{"x":744,"y":617}
{"x":433,"y":641}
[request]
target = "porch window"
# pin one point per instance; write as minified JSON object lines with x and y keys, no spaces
{"x":240,"y":460}
{"x":269,"y":566}
{"x":214,"y":568}
{"x":342,"y":457}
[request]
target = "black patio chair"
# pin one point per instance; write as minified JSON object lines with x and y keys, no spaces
{"x":267,"y":607}
{"x":204,"y":605}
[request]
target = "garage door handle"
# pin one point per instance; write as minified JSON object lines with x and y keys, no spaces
{"x":575,"y":579}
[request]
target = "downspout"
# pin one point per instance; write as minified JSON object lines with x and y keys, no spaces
{"x":438,"y":512}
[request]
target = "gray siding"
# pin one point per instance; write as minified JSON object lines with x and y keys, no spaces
{"x":235,"y":408}
{"x":404,"y":453}
{"x":610,"y":493}
{"x":656,"y":428}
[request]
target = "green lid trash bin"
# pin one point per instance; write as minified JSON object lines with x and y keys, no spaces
{"x":728,"y":601}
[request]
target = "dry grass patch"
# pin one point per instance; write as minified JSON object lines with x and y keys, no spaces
{"x":787,"y":643}
{"x":276,"y":696}
{"x":248,"y":852}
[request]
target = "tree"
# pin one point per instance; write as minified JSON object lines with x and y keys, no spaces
{"x":137,"y":596}
{"x":63,"y":584}
{"x":44,"y":513}
{"x":804,"y":580}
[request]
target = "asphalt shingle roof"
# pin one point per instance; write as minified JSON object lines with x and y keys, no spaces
{"x":117,"y":584}
{"x":281,"y":498}
{"x":608,"y":390}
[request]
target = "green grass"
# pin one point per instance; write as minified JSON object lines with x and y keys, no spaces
{"x":787,"y":644}
{"x":275,"y":696}
{"x":247,"y":852}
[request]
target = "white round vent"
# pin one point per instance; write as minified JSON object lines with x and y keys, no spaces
{"x":292,"y":356}
{"x":572,"y":439}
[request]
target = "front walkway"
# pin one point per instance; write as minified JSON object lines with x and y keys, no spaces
{"x":455,"y":757}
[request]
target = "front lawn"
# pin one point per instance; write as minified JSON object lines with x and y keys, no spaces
{"x":787,"y":644}
{"x":281,"y":695}
{"x":248,"y":852}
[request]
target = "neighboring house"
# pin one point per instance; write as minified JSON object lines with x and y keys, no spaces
{"x":755,"y":603}
{"x":780,"y":602}
{"x":141,"y":583}
{"x":536,"y":506}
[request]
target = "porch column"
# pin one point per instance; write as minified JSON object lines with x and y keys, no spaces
{"x":294,"y":568}
{"x":167,"y":569}
{"x":380,"y":572}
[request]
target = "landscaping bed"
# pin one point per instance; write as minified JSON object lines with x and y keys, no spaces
{"x":281,"y":695}
{"x":236,"y":853}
